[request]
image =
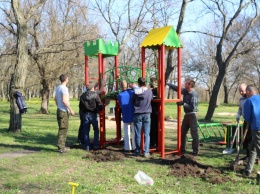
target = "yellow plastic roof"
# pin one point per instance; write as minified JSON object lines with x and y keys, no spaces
{"x":162,"y":36}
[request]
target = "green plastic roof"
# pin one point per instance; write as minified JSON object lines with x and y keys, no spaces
{"x":94,"y":47}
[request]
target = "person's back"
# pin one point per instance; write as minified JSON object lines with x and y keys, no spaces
{"x":125,"y":101}
{"x":90,"y":104}
{"x":142,"y":100}
{"x":89,"y":101}
{"x":142,"y":116}
{"x":252,"y":115}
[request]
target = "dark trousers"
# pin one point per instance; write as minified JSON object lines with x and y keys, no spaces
{"x":80,"y":131}
{"x":190,"y":122}
{"x":248,"y":138}
{"x":154,"y":130}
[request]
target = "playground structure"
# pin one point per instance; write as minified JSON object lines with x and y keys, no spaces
{"x":160,"y":39}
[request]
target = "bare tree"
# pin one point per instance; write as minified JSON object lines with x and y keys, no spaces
{"x":199,"y":62}
{"x":22,"y":18}
{"x":170,"y":65}
{"x":59,"y":49}
{"x":223,"y":59}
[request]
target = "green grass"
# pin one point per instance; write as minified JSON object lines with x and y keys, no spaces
{"x":46,"y":171}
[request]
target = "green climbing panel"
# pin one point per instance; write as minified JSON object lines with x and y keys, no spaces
{"x":129,"y":74}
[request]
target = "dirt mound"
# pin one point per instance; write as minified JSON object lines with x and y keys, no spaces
{"x":183,"y":166}
{"x":105,"y":155}
{"x":187,"y":166}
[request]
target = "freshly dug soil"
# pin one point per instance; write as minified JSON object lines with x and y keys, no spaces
{"x":187,"y":165}
{"x":180,"y":166}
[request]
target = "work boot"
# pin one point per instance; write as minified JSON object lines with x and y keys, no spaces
{"x":246,"y":173}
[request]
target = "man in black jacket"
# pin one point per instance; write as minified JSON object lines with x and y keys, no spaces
{"x":89,"y":105}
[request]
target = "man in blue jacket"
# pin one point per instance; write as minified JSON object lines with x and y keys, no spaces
{"x":252,"y":116}
{"x":125,"y":102}
{"x":142,"y":109}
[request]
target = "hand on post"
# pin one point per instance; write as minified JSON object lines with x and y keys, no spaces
{"x":180,"y":103}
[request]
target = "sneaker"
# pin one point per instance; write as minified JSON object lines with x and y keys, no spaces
{"x":147,"y":155}
{"x":96,"y":147}
{"x":194,"y":153}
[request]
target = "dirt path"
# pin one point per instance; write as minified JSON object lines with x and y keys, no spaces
{"x":18,"y":153}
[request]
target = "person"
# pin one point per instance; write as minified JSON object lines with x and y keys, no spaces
{"x":90,"y":104}
{"x":97,"y":91}
{"x":252,"y":115}
{"x":125,"y":102}
{"x":154,"y":115}
{"x":63,"y":110}
{"x":190,"y":106}
{"x":242,"y":91}
{"x":142,"y":109}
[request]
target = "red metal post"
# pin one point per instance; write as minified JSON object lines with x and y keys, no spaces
{"x":86,"y":70}
{"x":159,"y":93}
{"x":179,"y":107}
{"x":143,"y":75}
{"x":103,"y":101}
{"x":162,"y":84}
{"x":102,"y":113}
{"x":117,"y":108}
{"x":143,"y":62}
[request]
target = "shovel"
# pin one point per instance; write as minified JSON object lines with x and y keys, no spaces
{"x":234,"y":166}
{"x":230,"y":150}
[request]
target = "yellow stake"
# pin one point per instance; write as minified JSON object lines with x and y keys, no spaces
{"x":73,"y":185}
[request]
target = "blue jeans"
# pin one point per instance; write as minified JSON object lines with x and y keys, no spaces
{"x":90,"y":118}
{"x":142,"y":120}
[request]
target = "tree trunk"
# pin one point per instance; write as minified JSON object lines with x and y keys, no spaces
{"x":15,"y":124}
{"x":15,"y":118}
{"x":2,"y":91}
{"x":29,"y":94}
{"x":45,"y":94}
{"x":20,"y":69}
{"x":169,"y":67}
{"x":225,"y":90}
{"x":215,"y":91}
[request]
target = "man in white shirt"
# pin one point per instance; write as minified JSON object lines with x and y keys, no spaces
{"x":63,"y":110}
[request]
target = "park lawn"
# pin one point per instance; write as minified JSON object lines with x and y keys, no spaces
{"x":46,"y":171}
